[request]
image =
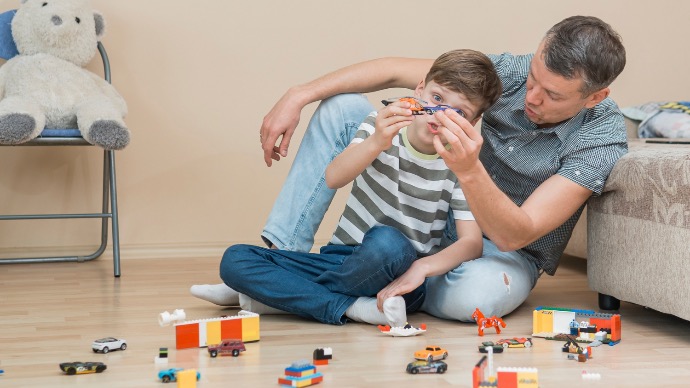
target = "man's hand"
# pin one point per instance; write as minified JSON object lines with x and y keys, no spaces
{"x":281,"y":121}
{"x":464,"y":140}
{"x":389,"y":121}
{"x":408,"y":282}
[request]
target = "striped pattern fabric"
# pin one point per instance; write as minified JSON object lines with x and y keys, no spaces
{"x":519,"y":156}
{"x":404,"y":189}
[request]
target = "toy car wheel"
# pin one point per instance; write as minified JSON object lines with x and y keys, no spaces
{"x":414,"y":371}
{"x":105,"y":350}
{"x":123,"y":347}
{"x":213,"y":353}
{"x":528,"y":344}
{"x":235,"y":352}
{"x":95,"y":350}
{"x":505,"y":345}
{"x":166,"y":379}
{"x":429,"y":111}
{"x":100,"y":368}
{"x":441,"y":369}
{"x":71,"y":371}
{"x":445,"y":354}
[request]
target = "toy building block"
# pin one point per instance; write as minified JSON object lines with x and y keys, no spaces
{"x":483,"y":375}
{"x":402,"y":331}
{"x":202,"y":332}
{"x":484,"y":322}
{"x":162,"y":356}
{"x":165,"y":318}
{"x":517,"y":377}
{"x":322,"y":355}
{"x":186,"y":378}
{"x":549,"y":322}
{"x":300,"y":374}
{"x":590,"y":376}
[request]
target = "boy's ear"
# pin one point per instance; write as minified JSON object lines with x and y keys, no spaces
{"x":418,"y":90}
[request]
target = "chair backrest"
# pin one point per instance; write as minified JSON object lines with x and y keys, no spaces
{"x":7,"y":47}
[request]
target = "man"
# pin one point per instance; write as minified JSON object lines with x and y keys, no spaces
{"x":546,"y":146}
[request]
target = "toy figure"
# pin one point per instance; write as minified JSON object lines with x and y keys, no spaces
{"x":484,"y":322}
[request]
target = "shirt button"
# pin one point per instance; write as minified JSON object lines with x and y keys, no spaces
{"x":577,"y":172}
{"x":510,"y":149}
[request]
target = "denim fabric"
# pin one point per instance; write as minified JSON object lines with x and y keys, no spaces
{"x":304,"y":198}
{"x":321,"y":285}
{"x":496,"y":283}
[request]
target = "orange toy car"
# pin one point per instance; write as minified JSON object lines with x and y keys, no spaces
{"x":431,"y":353}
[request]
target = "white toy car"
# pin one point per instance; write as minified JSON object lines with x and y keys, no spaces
{"x":104,"y":345}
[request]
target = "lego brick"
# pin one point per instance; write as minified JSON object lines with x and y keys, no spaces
{"x":250,"y":329}
{"x":213,"y":333}
{"x":187,"y":336}
{"x":186,"y":378}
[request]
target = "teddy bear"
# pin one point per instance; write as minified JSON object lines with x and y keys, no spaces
{"x":46,"y":85}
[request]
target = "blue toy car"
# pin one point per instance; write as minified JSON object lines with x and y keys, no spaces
{"x":169,"y":375}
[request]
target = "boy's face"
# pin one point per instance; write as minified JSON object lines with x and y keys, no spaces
{"x":424,"y":127}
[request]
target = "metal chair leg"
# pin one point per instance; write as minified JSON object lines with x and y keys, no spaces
{"x":113,"y":211}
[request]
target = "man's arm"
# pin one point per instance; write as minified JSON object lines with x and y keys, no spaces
{"x":468,"y":247}
{"x":364,"y":77}
{"x":509,"y":226}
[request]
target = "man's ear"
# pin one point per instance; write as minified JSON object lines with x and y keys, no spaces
{"x":597,"y":97}
{"x":418,"y":90}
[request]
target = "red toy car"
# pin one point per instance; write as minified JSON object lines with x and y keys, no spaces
{"x":228,"y":347}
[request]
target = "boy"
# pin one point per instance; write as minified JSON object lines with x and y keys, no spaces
{"x":397,"y":211}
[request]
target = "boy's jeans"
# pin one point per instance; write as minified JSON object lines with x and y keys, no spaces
{"x":497,"y":283}
{"x":322,"y":285}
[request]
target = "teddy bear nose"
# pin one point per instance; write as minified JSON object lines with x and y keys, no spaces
{"x":56,"y":20}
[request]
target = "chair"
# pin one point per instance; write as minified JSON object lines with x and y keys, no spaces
{"x":69,"y":137}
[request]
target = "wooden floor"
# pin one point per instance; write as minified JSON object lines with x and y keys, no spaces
{"x":50,"y":313}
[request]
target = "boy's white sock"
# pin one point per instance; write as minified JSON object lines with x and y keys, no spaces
{"x":219,"y":294}
{"x":249,"y":304}
{"x":364,"y":310}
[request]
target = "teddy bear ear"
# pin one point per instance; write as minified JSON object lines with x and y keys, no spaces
{"x":100,"y":24}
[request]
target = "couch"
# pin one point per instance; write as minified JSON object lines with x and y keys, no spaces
{"x":636,"y":235}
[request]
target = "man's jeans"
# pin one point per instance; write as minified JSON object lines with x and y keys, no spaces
{"x":321,"y":286}
{"x":497,"y":283}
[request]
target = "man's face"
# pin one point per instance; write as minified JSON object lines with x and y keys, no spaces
{"x":551,"y":98}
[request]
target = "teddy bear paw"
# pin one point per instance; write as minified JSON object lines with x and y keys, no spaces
{"x":16,"y":128}
{"x":109,"y":134}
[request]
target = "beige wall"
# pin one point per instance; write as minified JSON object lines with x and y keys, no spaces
{"x":199,"y":77}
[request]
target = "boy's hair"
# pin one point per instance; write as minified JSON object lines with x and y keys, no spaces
{"x":587,"y":47}
{"x":468,"y":72}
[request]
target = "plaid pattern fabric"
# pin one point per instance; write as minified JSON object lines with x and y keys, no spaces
{"x":519,"y":156}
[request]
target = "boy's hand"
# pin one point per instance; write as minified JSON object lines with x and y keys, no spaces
{"x":408,"y":282}
{"x":389,"y":121}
